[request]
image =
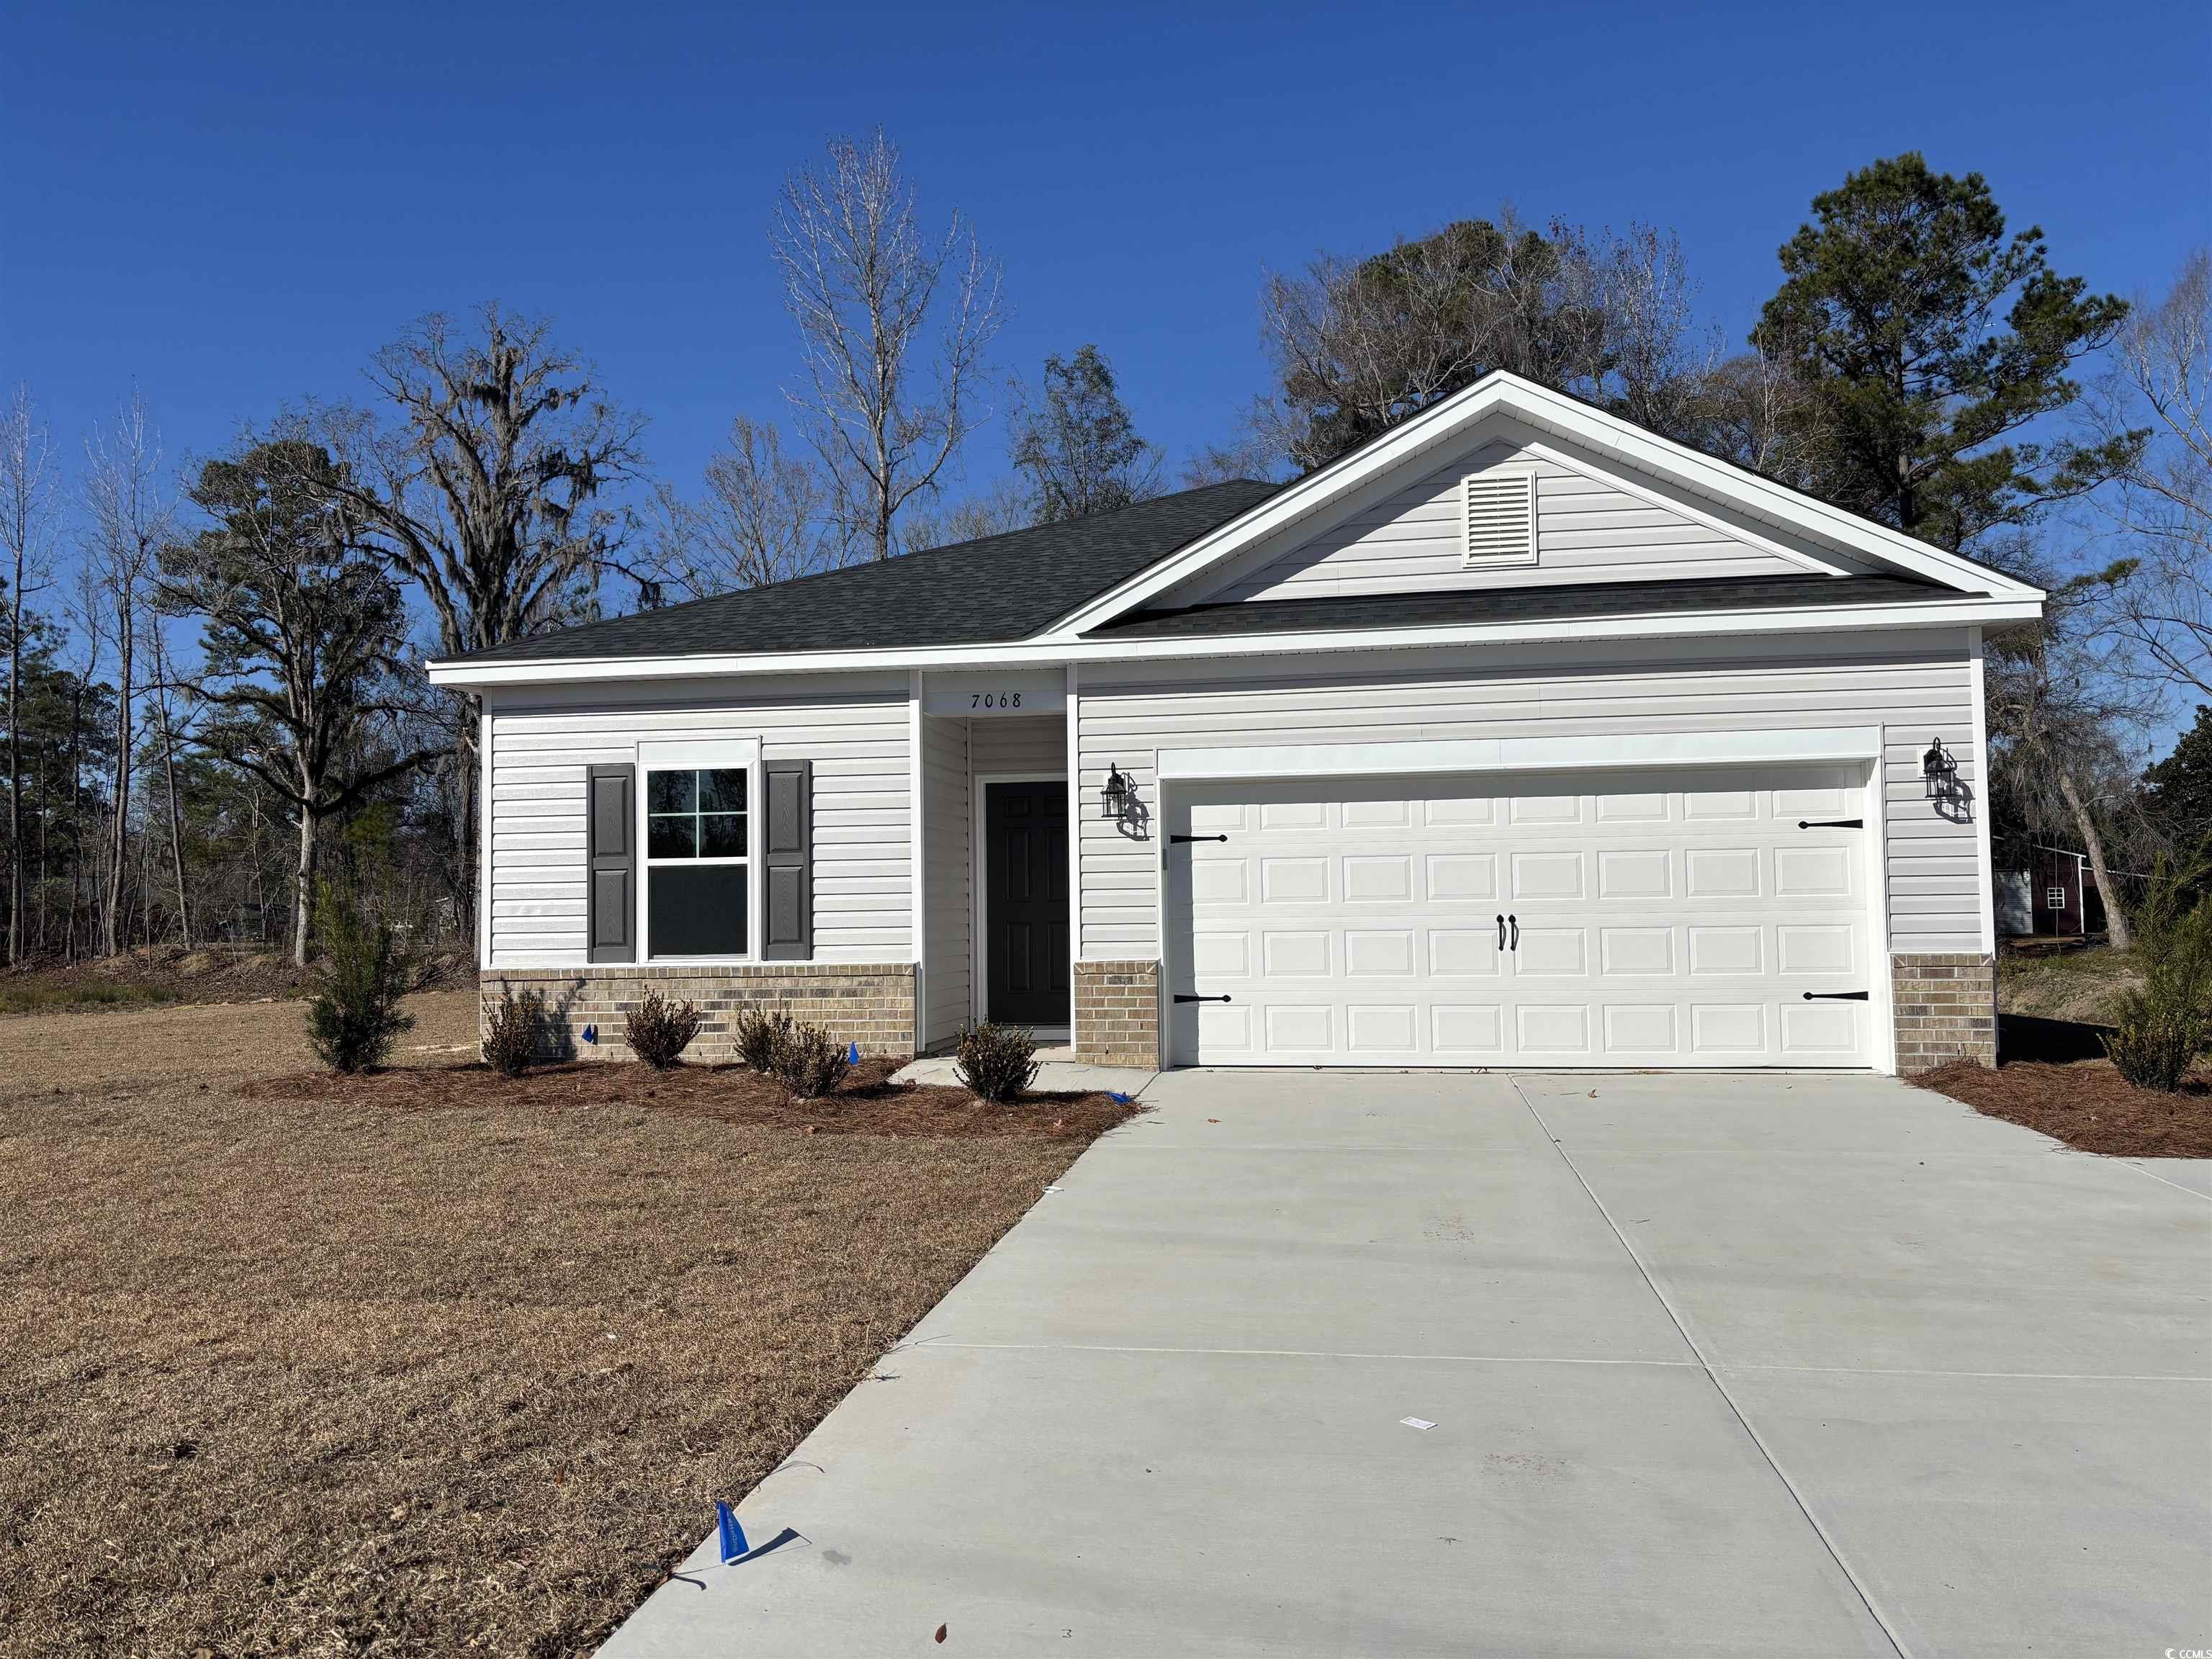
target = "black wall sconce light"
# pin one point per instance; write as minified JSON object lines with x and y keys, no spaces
{"x":1117,"y":794}
{"x":1939,"y":770}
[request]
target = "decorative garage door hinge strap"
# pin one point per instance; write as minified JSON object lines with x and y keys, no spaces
{"x":1180,"y":997}
{"x":1835,"y":996}
{"x":1832,"y":823}
{"x":1177,"y":841}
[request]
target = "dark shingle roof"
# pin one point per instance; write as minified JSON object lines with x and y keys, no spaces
{"x":1505,"y":604}
{"x":1000,"y":588}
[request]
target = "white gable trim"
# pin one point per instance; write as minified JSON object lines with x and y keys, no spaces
{"x":1577,"y":422}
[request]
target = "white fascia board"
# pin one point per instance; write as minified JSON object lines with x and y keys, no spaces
{"x":1843,"y":743}
{"x":1577,"y":422}
{"x":1808,"y":619}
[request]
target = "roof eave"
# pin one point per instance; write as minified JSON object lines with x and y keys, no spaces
{"x":1964,"y":610}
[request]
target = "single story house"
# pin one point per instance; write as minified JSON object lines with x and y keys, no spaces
{"x":1517,"y":737}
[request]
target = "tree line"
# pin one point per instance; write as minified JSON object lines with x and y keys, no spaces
{"x":214,"y":703}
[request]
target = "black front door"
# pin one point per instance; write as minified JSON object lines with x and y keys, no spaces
{"x":1025,"y":902}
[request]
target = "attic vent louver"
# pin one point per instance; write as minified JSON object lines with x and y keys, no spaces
{"x":1501,"y":517}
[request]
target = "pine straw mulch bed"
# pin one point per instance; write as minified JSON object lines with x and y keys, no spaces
{"x":866,"y":1104}
{"x":2088,"y":1105}
{"x":434,"y":1362}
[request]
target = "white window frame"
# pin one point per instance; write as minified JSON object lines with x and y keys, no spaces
{"x":1471,"y":560}
{"x":2054,"y":898}
{"x":727,"y":756}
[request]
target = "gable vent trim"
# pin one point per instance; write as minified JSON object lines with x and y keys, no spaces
{"x":1500,"y":518}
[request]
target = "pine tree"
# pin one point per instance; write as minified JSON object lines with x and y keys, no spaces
{"x":1928,"y":343}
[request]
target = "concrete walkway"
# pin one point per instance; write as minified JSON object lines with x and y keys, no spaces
{"x":1755,"y":1365}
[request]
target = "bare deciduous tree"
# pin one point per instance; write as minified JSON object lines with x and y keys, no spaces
{"x":26,"y":521}
{"x":895,"y":326}
{"x":765,"y":516}
{"x":1753,"y":409}
{"x":2056,"y":714}
{"x":488,"y":492}
{"x":1359,"y":345}
{"x":1252,"y":453}
{"x":162,"y":689}
{"x":491,"y":482}
{"x":128,"y":518}
{"x":2159,"y":397}
{"x":994,"y":512}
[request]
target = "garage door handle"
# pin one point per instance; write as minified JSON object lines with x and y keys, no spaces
{"x":1515,"y":922}
{"x":1835,"y":996}
{"x":1177,"y":841}
{"x":1501,"y":930}
{"x":1180,"y":997}
{"x":1832,"y":823}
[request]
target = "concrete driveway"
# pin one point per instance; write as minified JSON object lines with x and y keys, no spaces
{"x":1750,"y":1365}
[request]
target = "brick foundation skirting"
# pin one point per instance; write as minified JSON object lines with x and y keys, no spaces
{"x":1117,"y":1013}
{"x":870,"y":1004}
{"x":1945,"y":1008}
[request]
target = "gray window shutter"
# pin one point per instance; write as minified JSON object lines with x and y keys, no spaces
{"x":611,"y":902}
{"x":788,"y":930}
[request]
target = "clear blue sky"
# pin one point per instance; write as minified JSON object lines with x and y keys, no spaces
{"x":232,"y":207}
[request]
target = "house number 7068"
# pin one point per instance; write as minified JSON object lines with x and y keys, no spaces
{"x":994,"y":700}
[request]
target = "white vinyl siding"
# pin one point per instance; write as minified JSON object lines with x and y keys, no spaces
{"x":1018,"y":745}
{"x":1413,"y":539}
{"x":1914,"y":685}
{"x":852,"y":727}
{"x":948,"y":844}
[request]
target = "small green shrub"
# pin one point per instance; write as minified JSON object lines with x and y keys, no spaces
{"x":996,"y":1062}
{"x":810,"y":1061}
{"x":510,"y":1041}
{"x":363,"y":973}
{"x":2154,"y":1042}
{"x":2164,"y":1026}
{"x":758,"y":1034}
{"x":659,"y":1030}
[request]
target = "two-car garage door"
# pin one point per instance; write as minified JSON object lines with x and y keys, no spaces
{"x":1659,"y":919}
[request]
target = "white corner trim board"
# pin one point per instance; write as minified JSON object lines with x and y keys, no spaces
{"x":1982,"y":850}
{"x":917,"y":845}
{"x":1523,"y":754}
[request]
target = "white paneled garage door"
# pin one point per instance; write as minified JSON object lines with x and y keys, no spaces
{"x":1615,"y":918}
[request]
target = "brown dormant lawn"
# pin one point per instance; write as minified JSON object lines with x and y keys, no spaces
{"x":435,"y":1364}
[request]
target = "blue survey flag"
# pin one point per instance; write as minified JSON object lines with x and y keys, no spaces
{"x":591,"y":1035}
{"x":853,"y":1055}
{"x":733,"y":1535}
